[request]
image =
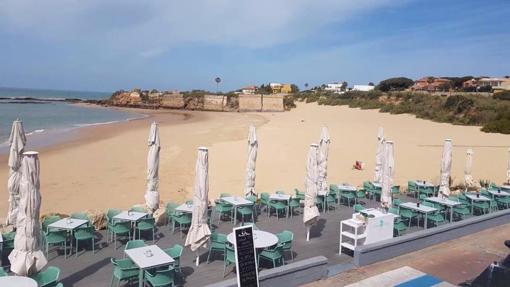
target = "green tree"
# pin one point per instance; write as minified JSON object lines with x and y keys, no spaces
{"x":395,"y":84}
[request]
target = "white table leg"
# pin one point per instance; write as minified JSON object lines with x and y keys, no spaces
{"x":451,"y":213}
{"x":140,"y":278}
{"x":426,"y":221}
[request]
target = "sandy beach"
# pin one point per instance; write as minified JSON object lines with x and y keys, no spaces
{"x":104,"y":166}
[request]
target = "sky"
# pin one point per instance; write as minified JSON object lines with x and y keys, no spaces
{"x":107,"y":45}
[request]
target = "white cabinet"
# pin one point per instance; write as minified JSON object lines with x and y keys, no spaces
{"x":352,"y":234}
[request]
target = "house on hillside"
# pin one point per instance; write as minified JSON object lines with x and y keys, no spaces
{"x":278,"y":88}
{"x":363,"y":88}
{"x":249,"y":90}
{"x":431,"y":84}
{"x":473,"y":83}
{"x":495,"y":83}
{"x":336,"y":87}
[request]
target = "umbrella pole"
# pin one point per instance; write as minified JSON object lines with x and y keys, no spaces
{"x":197,"y":261}
{"x":308,"y":233}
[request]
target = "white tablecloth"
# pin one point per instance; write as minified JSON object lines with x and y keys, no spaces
{"x":261,"y":239}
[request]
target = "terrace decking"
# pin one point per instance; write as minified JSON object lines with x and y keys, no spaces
{"x":96,"y":270}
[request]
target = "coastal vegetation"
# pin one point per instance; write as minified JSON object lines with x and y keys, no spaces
{"x":492,"y":113}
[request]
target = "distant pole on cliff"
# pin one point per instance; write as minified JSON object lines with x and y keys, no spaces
{"x":218,"y":81}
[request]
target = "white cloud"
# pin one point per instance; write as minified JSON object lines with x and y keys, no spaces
{"x":150,"y":27}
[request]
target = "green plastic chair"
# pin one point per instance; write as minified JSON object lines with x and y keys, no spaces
{"x":273,"y":255}
{"x":252,"y":198}
{"x":360,"y":193}
{"x":422,"y":197}
{"x":250,"y":224}
{"x":436,"y":217}
{"x":120,"y":228}
{"x":412,"y":187}
{"x":285,"y":239}
{"x":264,"y":201}
{"x":82,"y":216}
{"x":461,"y":211}
{"x":299,"y":194}
{"x":123,"y":270}
{"x":503,"y":202}
{"x":110,"y":213}
{"x":246,"y":210}
{"x":146,"y":224}
{"x":358,"y":207}
{"x":395,"y":189}
{"x":278,"y":206}
{"x":175,"y":252}
{"x":82,"y":234}
{"x":399,"y":226}
{"x":48,"y":277}
{"x":223,"y":209}
{"x":216,"y":244}
{"x":170,"y":210}
{"x":182,"y":219}
{"x":293,"y":204}
{"x":319,"y":202}
{"x":396,"y":202}
{"x":407,"y":214}
{"x":56,"y":237}
{"x":2,"y":272}
{"x":49,"y":220}
{"x":229,"y":257}
{"x":348,"y":196}
{"x":160,"y":278}
{"x":8,"y":244}
{"x":330,"y":201}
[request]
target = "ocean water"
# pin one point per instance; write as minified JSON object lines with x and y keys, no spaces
{"x":52,"y":117}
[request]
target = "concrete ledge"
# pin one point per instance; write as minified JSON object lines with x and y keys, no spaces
{"x":293,"y":274}
{"x":371,"y":253}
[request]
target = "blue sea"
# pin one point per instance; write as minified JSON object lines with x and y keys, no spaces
{"x":52,"y":117}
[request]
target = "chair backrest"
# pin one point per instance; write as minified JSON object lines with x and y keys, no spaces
{"x":333,"y":188}
{"x":411,"y":186}
{"x":51,"y":274}
{"x":393,"y":210}
{"x":175,"y":251}
{"x":397,"y":202}
{"x":134,"y":244}
{"x":298,"y":192}
{"x":230,"y":253}
{"x":218,"y":237}
{"x":429,"y":204}
{"x":358,"y":207}
{"x":150,"y":220}
{"x":49,"y":220}
{"x":111,"y":212}
{"x":395,"y":189}
{"x":170,"y":207}
{"x":252,"y":198}
{"x":367,"y":185}
{"x":84,"y":230}
{"x":80,"y":215}
{"x":8,"y":239}
{"x":225,"y":194}
{"x":264,"y":195}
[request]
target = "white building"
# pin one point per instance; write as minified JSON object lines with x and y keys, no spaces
{"x":363,"y":88}
{"x":493,"y":82}
{"x":335,"y":88}
{"x":249,"y":90}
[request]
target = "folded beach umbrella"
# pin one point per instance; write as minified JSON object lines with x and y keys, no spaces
{"x":199,"y":232}
{"x":310,"y":211}
{"x":152,"y":194}
{"x":253,"y":144}
{"x":27,"y":258}
{"x":17,"y":142}
{"x":323,"y":161}
{"x":446,"y":165}
{"x":379,"y":155}
{"x":388,"y":170}
{"x":468,"y":178}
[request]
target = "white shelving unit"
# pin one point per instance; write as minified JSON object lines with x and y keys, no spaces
{"x":352,"y":231}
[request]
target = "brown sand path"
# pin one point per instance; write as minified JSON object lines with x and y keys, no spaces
{"x":105,"y":165}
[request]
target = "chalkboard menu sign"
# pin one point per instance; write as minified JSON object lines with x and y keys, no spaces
{"x":246,"y":266}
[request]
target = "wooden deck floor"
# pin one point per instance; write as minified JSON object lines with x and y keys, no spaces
{"x":95,"y":270}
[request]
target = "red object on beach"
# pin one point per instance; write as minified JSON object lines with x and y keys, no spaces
{"x":358,"y":165}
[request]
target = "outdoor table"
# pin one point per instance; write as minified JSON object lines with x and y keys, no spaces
{"x":505,"y":187}
{"x":185,"y":208}
{"x":446,"y":202}
{"x":376,"y":184}
{"x":148,"y":257}
{"x":498,"y":193}
{"x":236,"y":201}
{"x":474,"y":197}
{"x":375,"y":212}
{"x":17,"y":281}
{"x":422,"y":209}
{"x":261,"y":239}
{"x":132,"y":216}
{"x":422,"y":183}
{"x":281,"y":197}
{"x":68,"y":224}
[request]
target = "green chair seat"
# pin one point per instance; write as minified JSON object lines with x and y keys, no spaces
{"x":48,"y":277}
{"x":160,"y":278}
{"x":175,"y":252}
{"x":273,"y":255}
{"x":183,"y":220}
{"x":56,"y":237}
{"x":278,"y":206}
{"x":146,"y":224}
{"x":123,"y":270}
{"x":120,"y":228}
{"x":229,"y":257}
{"x":358,"y":207}
{"x":407,"y":215}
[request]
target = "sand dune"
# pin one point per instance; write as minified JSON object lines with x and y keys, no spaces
{"x":105,"y":166}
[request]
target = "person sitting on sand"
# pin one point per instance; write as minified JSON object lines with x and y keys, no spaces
{"x":358,"y":165}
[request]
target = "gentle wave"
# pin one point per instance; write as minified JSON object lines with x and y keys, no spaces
{"x":35,"y":132}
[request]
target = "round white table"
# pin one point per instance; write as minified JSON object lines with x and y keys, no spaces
{"x":17,"y":281}
{"x":261,"y":239}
